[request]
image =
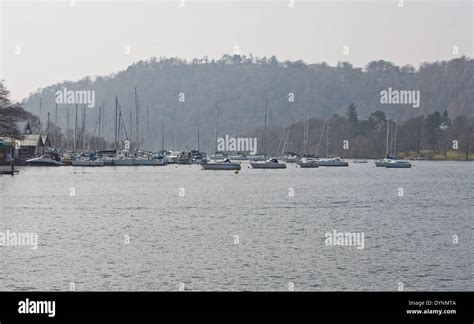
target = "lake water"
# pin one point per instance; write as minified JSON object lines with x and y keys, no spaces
{"x":172,"y":227}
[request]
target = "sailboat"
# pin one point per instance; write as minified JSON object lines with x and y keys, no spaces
{"x":307,"y":161}
{"x":395,"y":163}
{"x":48,"y":159}
{"x":331,"y":161}
{"x":271,"y":163}
{"x":381,"y":163}
{"x":226,"y":164}
{"x":221,"y":164}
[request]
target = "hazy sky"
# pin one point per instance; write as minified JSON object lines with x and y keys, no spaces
{"x":45,"y":42}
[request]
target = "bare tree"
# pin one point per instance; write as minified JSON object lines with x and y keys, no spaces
{"x":10,"y":115}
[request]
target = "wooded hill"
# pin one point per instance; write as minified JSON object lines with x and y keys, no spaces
{"x":239,"y":86}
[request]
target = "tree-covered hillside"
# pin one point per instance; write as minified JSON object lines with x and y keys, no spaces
{"x":174,"y":90}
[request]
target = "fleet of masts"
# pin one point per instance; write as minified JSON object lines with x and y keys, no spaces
{"x":127,"y":148}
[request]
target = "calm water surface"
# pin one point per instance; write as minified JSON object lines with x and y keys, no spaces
{"x":191,"y":239}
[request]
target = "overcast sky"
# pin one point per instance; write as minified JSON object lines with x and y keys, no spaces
{"x":56,"y":41}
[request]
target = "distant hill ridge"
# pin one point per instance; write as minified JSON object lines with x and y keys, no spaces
{"x":174,"y":89}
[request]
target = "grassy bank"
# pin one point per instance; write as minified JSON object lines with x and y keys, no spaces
{"x":438,"y":156}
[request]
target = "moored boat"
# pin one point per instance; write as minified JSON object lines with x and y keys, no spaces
{"x":239,"y":157}
{"x":380,"y":163}
{"x":122,"y":161}
{"x":268,"y":164}
{"x":48,"y":159}
{"x":290,"y":158}
{"x":308,"y":163}
{"x":398,"y":164}
{"x":253,"y":157}
{"x":220,"y":165}
{"x":87,"y":163}
{"x":333,"y":162}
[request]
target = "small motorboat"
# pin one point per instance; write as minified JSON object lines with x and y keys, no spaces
{"x":380,"y":163}
{"x":333,"y":162}
{"x":48,"y":159}
{"x":268,"y":164}
{"x":398,"y":164}
{"x":87,"y":160}
{"x":290,"y":158}
{"x":239,"y":157}
{"x":226,"y":164}
{"x":253,"y":157}
{"x":185,"y":158}
{"x":308,"y":163}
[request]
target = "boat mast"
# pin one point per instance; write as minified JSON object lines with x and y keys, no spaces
{"x":217,"y":125}
{"x":75,"y":131}
{"x":198,"y":130}
{"x":327,"y":138}
{"x":100,"y":113}
{"x":386,"y":145}
{"x":67,"y":129}
{"x":395,"y":141}
{"x":306,"y":136}
{"x":116,"y":125}
{"x":131,"y":128}
{"x":265,"y":129}
{"x":56,"y":127}
{"x":84,"y":128}
{"x":147,"y":138}
{"x":39,"y":115}
{"x":162,"y":134}
{"x":137,"y":108}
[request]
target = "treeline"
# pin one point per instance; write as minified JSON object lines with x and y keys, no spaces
{"x":432,"y":136}
{"x":175,"y":89}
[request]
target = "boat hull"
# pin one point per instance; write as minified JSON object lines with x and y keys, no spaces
{"x":122,"y":162}
{"x":83,"y":163}
{"x":307,"y":165}
{"x":395,"y":165}
{"x":265,"y":165}
{"x":333,"y":163}
{"x":220,"y":166}
{"x":256,"y":158}
{"x":44,"y":162}
{"x":148,"y":162}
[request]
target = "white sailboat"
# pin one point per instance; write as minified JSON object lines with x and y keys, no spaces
{"x":239,"y":157}
{"x":270,"y":163}
{"x":48,"y":159}
{"x":220,"y":161}
{"x":290,"y":158}
{"x":331,"y":161}
{"x":381,"y":163}
{"x":397,"y":163}
{"x":308,"y":162}
{"x":220,"y":165}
